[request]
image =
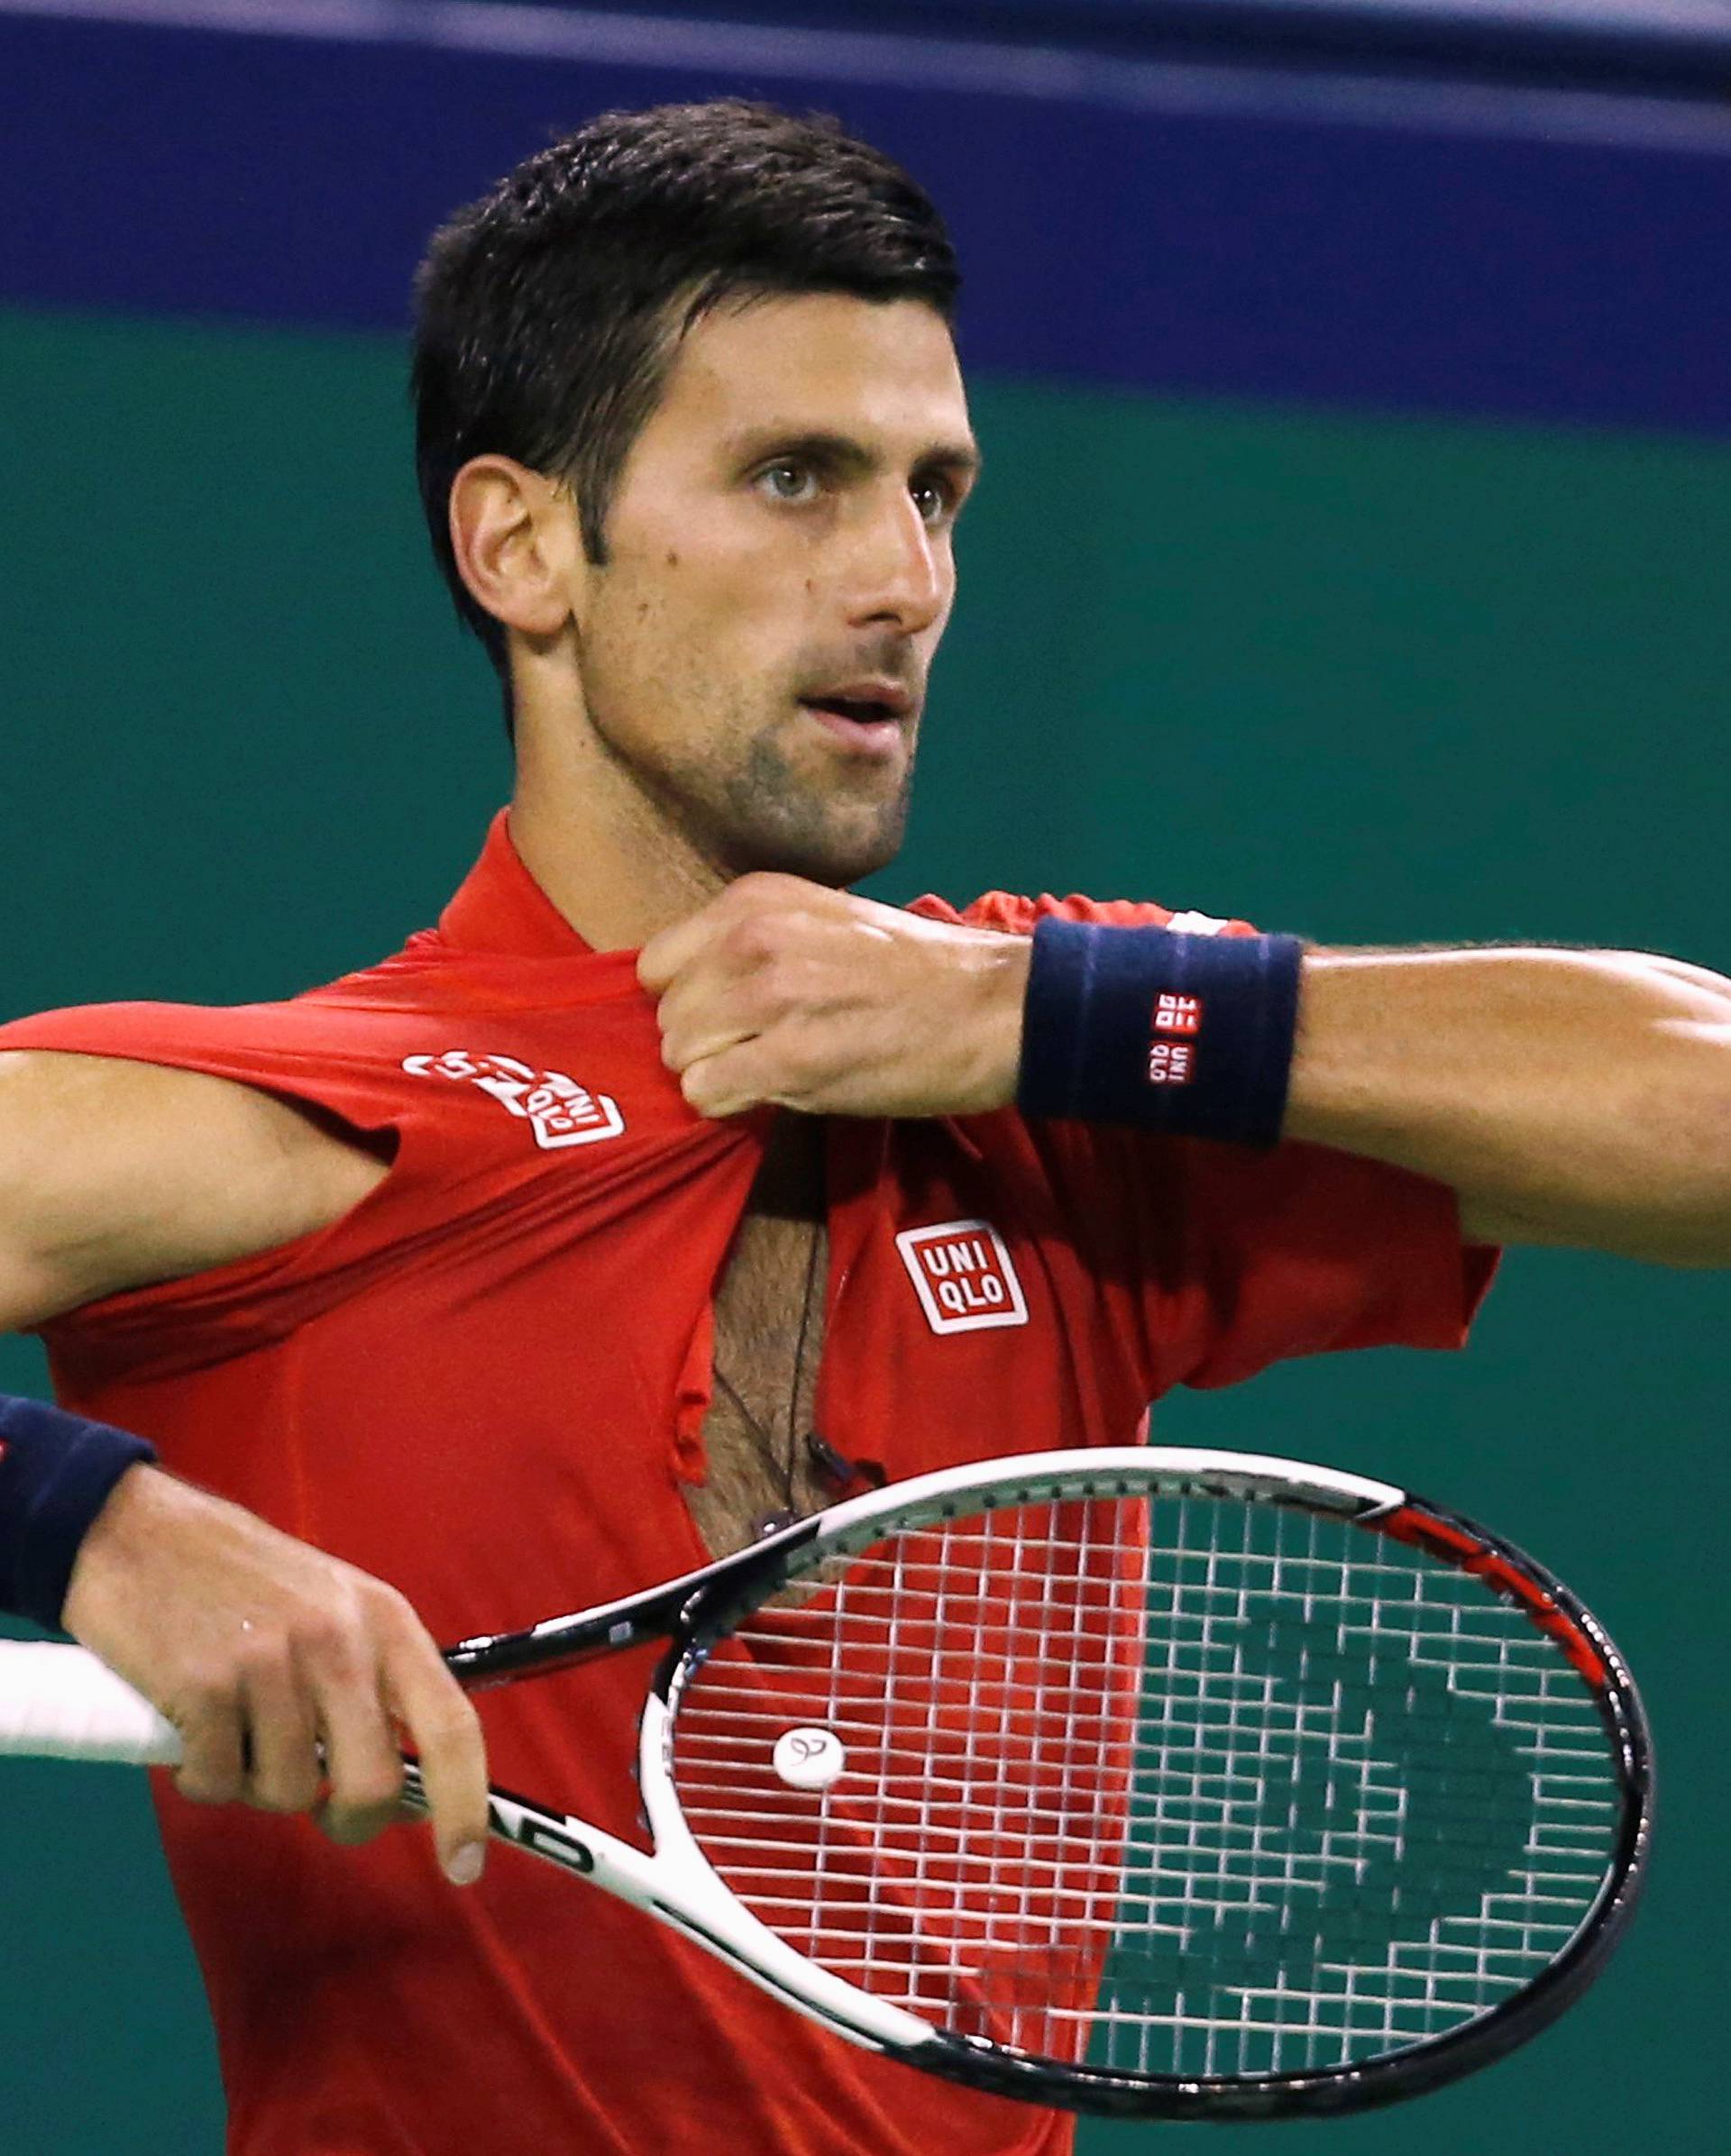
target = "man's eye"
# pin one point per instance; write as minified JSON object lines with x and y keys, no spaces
{"x":933,"y":501}
{"x":789,"y":482}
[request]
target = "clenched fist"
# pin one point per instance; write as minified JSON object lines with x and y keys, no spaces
{"x":785,"y":992}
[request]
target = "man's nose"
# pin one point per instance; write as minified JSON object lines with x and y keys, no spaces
{"x":900,"y":575}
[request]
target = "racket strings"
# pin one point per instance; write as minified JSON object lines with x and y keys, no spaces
{"x":1180,"y":1785}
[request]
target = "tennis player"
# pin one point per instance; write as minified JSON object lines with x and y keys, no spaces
{"x":499,"y":1279}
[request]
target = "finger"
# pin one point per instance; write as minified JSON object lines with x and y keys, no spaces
{"x":668,"y":952}
{"x":213,"y":1753}
{"x":282,"y":1759}
{"x":447,"y":1737}
{"x":363,"y":1764}
{"x":696,"y":1022}
{"x":350,"y":1826}
{"x":732,"y":1081}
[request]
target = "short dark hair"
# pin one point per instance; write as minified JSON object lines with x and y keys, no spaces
{"x":549,"y":311}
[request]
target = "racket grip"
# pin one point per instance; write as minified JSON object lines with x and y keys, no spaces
{"x":60,"y":1702}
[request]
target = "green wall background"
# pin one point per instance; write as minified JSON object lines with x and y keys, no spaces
{"x":1371,"y":678}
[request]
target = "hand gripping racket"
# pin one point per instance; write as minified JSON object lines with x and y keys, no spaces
{"x":1171,"y":1783}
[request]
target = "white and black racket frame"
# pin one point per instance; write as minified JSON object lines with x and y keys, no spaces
{"x":695,"y":1613}
{"x":677,"y":1884}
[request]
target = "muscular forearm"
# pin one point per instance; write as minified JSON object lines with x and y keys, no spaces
{"x":1569,"y":1096}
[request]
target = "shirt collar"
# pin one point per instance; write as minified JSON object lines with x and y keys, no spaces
{"x":499,"y":907}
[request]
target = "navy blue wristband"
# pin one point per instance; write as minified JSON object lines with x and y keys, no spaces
{"x":1191,"y":1035}
{"x":56,"y":1472}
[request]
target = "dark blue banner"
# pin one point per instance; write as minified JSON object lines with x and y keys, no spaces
{"x":1178,"y":228}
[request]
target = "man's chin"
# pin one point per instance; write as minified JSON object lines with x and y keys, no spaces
{"x":829,"y":825}
{"x":831,"y":857}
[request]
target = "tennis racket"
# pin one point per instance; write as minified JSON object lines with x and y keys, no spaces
{"x":1150,"y":1782}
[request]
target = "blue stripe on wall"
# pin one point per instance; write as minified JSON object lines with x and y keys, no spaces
{"x":1166,"y":229}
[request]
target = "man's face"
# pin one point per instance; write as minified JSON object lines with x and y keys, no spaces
{"x":755,"y":654}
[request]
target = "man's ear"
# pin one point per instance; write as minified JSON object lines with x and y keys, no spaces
{"x":517,"y":544}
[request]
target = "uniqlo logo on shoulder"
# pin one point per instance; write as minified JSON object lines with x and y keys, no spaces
{"x":558,"y":1111}
{"x":1177,"y":1014}
{"x":1171,"y":1063}
{"x":963,"y":1275}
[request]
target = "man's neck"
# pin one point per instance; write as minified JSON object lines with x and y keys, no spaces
{"x":599,"y":848}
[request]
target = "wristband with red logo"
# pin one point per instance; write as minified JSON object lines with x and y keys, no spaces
{"x":1192,"y":1034}
{"x":56,"y":1473}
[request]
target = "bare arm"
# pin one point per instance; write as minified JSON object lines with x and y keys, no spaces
{"x":1570,"y":1097}
{"x":1580,"y":1097}
{"x":115,"y":1174}
{"x":286,"y":1671}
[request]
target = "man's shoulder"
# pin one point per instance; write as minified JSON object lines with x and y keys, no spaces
{"x":341,"y":1020}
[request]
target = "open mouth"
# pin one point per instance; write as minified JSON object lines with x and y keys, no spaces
{"x":868,"y":715}
{"x":857,"y":710}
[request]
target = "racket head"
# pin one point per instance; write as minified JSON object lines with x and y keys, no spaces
{"x":1159,"y":1782}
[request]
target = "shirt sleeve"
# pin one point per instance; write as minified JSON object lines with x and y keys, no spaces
{"x":290,"y":1051}
{"x":1216,"y":1260}
{"x":1300,"y":1251}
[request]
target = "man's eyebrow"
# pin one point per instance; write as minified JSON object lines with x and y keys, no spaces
{"x":962,"y":458}
{"x":841,"y":452}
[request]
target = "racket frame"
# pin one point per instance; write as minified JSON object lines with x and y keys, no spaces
{"x":677,"y":1884}
{"x":1183,"y":1471}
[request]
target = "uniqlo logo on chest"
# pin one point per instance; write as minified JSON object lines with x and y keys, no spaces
{"x":1177,"y":1014}
{"x":558,"y":1111}
{"x":963,"y":1275}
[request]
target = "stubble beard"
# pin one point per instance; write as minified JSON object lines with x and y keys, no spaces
{"x":771,"y":815}
{"x":747,"y":808}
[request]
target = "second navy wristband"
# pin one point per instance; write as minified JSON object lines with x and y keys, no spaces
{"x":56,"y":1473}
{"x":1191,"y":1035}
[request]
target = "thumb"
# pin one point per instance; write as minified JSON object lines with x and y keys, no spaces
{"x":670,"y":950}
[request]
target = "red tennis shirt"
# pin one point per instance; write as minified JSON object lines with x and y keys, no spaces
{"x":487,"y":1384}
